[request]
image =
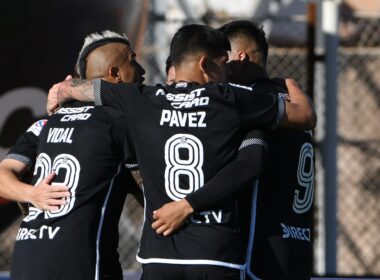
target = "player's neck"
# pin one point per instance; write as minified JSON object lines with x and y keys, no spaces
{"x":188,"y":77}
{"x":256,"y":75}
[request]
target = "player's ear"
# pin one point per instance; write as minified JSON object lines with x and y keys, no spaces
{"x":243,"y":56}
{"x":203,"y":67}
{"x":113,"y":72}
{"x":203,"y":63}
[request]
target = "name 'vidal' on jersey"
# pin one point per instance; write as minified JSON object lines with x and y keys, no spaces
{"x":83,"y":145}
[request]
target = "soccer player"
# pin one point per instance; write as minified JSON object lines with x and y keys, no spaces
{"x":182,"y":135}
{"x":280,"y":240}
{"x":79,"y":239}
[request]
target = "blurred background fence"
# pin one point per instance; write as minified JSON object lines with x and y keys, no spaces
{"x":358,"y":151}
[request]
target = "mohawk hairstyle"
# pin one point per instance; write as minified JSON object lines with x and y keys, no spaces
{"x":93,"y":41}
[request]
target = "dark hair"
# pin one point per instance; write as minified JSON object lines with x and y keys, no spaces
{"x":249,"y":29}
{"x":168,"y":64}
{"x":195,"y":38}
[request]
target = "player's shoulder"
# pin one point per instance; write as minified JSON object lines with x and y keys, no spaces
{"x":270,"y":85}
{"x":134,"y":91}
{"x":122,"y":89}
{"x":37,"y":127}
{"x":225,"y":91}
{"x":84,"y":112}
{"x":291,"y":136}
{"x":239,"y":87}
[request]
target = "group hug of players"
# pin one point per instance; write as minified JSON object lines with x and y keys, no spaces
{"x":224,"y":154}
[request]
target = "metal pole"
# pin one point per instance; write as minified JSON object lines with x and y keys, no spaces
{"x":330,"y":16}
{"x":311,"y":21}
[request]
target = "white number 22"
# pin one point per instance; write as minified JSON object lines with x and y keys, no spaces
{"x":62,"y":163}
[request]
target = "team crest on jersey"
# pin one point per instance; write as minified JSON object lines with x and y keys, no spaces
{"x":181,"y":85}
{"x":37,"y":127}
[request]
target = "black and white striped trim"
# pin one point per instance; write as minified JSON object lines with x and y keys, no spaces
{"x":253,"y":141}
{"x":96,"y":91}
{"x":20,"y":158}
{"x":132,"y":166}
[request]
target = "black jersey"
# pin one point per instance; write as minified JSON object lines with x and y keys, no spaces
{"x":280,"y":241}
{"x":183,"y":135}
{"x":26,"y":145}
{"x":82,"y":144}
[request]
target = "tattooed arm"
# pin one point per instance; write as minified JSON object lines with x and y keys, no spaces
{"x":74,"y":89}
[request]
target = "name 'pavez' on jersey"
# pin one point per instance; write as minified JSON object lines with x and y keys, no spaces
{"x":175,"y":118}
{"x":178,"y":155}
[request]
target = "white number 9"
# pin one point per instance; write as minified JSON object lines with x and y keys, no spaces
{"x":305,"y":176}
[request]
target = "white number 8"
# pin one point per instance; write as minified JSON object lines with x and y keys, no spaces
{"x":176,"y":166}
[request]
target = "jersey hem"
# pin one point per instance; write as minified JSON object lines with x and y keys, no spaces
{"x":190,"y":262}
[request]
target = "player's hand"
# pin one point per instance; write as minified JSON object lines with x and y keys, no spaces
{"x":53,"y":102}
{"x":49,"y":197}
{"x":299,"y":112}
{"x":171,"y":216}
{"x":292,"y":87}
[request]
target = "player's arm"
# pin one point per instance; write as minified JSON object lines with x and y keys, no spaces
{"x":137,"y":186}
{"x":133,"y":182}
{"x":71,"y":89}
{"x":53,"y":103}
{"x":43,"y":196}
{"x":10,"y":187}
{"x":17,"y":162}
{"x":97,"y":90}
{"x":237,"y":174}
{"x":268,"y":110}
{"x":299,"y":109}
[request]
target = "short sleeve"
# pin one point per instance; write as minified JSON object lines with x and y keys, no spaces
{"x":25,"y":149}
